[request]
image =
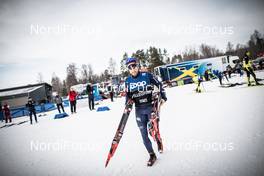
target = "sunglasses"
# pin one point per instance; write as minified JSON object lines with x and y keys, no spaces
{"x":132,"y":66}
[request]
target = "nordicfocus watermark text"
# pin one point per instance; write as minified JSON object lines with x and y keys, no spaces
{"x":61,"y":146}
{"x":198,"y":29}
{"x":60,"y":29}
{"x":193,"y":145}
{"x":200,"y":146}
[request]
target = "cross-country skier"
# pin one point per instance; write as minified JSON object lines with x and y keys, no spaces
{"x":198,"y":80}
{"x":248,"y":68}
{"x":139,"y":86}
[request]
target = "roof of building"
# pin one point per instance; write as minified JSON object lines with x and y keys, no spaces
{"x":19,"y":91}
{"x":26,"y":86}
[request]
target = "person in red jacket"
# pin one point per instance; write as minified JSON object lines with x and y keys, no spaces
{"x":7,"y":113}
{"x":72,"y":98}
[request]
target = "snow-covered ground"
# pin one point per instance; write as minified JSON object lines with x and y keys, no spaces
{"x":217,"y":132}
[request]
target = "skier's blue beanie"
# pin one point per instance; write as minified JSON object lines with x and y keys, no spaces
{"x":130,"y":59}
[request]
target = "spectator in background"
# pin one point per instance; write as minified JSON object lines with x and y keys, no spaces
{"x":58,"y":101}
{"x":247,"y":64}
{"x":225,"y":75}
{"x":72,"y":98}
{"x":112,"y":94}
{"x":229,"y":70}
{"x":31,"y":108}
{"x":222,"y":75}
{"x":1,"y":112}
{"x":199,"y":80}
{"x":7,"y":113}
{"x":211,"y":75}
{"x":90,"y":93}
{"x":238,"y":68}
{"x":206,"y":75}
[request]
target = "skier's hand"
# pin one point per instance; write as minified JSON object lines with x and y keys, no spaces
{"x":162,"y":102}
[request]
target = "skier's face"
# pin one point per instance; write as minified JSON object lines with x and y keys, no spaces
{"x":133,"y":68}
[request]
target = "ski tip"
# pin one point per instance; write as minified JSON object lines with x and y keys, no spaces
{"x":106,"y":163}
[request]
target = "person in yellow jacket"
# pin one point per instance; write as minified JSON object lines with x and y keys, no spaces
{"x":197,"y":80}
{"x":247,"y":64}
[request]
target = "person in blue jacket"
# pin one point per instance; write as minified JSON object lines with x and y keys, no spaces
{"x":139,"y":87}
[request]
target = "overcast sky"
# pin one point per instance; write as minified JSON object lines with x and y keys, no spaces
{"x":45,"y":36}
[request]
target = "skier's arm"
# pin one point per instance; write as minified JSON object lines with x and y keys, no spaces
{"x":157,"y":83}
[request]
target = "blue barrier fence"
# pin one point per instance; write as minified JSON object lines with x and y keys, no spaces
{"x":23,"y":111}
